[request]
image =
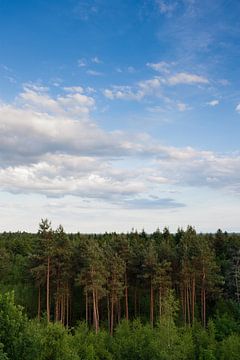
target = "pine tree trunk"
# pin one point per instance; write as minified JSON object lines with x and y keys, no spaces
{"x":204,"y":308}
{"x":56,"y":308}
{"x":193,"y":299}
{"x":67,"y":308}
{"x":95,"y":319}
{"x":185,"y":306}
{"x":112,"y":316}
{"x":56,"y":303}
{"x":86,"y":306}
{"x":119,"y":311}
{"x":48,"y":289}
{"x":61,"y":309}
{"x":109,"y":315}
{"x":203,"y":299}
{"x":97,"y":308}
{"x":135,"y":302}
{"x":39,"y":302}
{"x":188,"y":305}
{"x":237,"y":280}
{"x":151,"y":303}
{"x":126,"y":297}
{"x":160,"y":302}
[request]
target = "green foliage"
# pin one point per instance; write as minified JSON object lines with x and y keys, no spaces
{"x":134,"y":341}
{"x":3,"y":355}
{"x":91,"y":346}
{"x":175,"y":282}
{"x":56,"y":343}
{"x":230,"y":348}
{"x":12,"y":326}
{"x":205,"y":341}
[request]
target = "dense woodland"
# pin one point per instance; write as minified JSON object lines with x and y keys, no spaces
{"x":119,"y":296}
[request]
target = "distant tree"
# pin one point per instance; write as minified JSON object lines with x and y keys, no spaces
{"x":41,"y":262}
{"x":63,"y":271}
{"x":93,"y":277}
{"x":116,"y":269}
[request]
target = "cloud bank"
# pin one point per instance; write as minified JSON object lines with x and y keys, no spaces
{"x":50,"y":145}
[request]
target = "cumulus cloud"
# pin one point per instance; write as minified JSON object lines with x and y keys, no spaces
{"x":74,"y":89}
{"x":202,"y":168}
{"x":122,"y":93}
{"x":187,"y":78}
{"x":142,"y":89}
{"x":238,"y":108}
{"x":94,"y":73}
{"x":96,"y":60}
{"x":37,"y":98}
{"x":161,"y":67}
{"x":49,"y":145}
{"x":82,"y":62}
{"x":155,"y":86}
{"x":153,"y":203}
{"x":182,"y":107}
{"x":213,"y":103}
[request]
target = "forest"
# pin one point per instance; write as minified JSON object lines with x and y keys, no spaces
{"x":119,"y":295}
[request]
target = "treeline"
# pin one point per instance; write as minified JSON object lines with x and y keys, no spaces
{"x":106,"y":279}
{"x":23,"y":339}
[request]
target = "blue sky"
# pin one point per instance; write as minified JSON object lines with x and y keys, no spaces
{"x":119,"y":114}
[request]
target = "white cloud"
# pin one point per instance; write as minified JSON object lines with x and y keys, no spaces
{"x":122,"y":93}
{"x":94,"y":73}
{"x":96,"y":60}
{"x":187,"y":78}
{"x":161,"y":67}
{"x":82,"y":62}
{"x":155,"y":86}
{"x":238,"y":108}
{"x":75,"y":102}
{"x":182,"y":106}
{"x":213,"y":103}
{"x":48,"y":147}
{"x":142,"y":89}
{"x":74,"y":89}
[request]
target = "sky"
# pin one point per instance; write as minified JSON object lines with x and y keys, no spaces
{"x":120,"y":114}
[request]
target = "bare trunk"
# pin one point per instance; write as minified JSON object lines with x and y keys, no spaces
{"x":97,"y":308}
{"x":63,"y":308}
{"x":185,"y":306}
{"x":203,"y":299}
{"x":151,"y":303}
{"x":112,"y":317}
{"x":193,"y":299}
{"x":204,"y":308}
{"x":109,"y":315}
{"x":237,"y":281}
{"x":95,"y":318}
{"x":48,"y":288}
{"x":188,"y":305}
{"x":119,"y":311}
{"x":86,"y":306}
{"x":160,"y":302}
{"x":126,"y":297}
{"x":57,"y":303}
{"x":56,"y":308}
{"x":39,"y":302}
{"x":67,"y":308}
{"x":135,"y":302}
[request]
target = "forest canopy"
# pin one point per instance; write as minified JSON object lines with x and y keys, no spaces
{"x":119,"y":296}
